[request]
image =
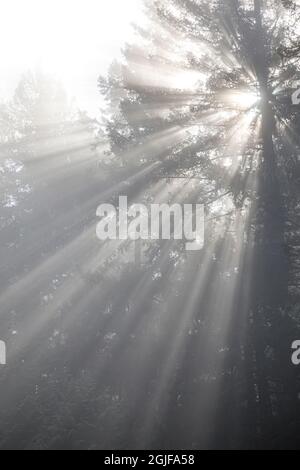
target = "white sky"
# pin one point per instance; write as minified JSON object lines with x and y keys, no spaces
{"x":74,"y":40}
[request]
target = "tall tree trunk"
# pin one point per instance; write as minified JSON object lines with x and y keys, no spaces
{"x":272,"y":267}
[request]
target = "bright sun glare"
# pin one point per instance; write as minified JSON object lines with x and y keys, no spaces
{"x":245,"y":100}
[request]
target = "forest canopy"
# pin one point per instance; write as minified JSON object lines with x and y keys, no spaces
{"x":141,"y":344}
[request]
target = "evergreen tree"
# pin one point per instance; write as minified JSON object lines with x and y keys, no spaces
{"x":205,"y":95}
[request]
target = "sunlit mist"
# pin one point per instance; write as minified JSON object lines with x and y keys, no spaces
{"x":119,"y":342}
{"x":71,"y":40}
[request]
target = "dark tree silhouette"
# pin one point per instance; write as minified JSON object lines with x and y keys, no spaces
{"x":205,"y":95}
{"x":122,"y":345}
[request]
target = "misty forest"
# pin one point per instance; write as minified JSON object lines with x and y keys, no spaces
{"x":123,"y":344}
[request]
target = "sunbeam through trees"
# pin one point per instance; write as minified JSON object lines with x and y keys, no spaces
{"x":117,"y":336}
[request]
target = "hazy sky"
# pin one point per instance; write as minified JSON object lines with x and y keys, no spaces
{"x":75,"y":40}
